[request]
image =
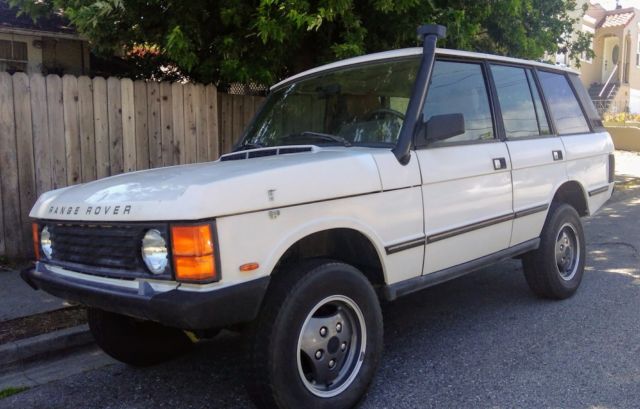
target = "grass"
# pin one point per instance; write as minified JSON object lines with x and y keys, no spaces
{"x":5,"y":393}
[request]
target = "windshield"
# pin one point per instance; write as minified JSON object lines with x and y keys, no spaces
{"x":362,"y":105}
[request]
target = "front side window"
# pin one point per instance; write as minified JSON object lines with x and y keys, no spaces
{"x":459,"y":88}
{"x":520,"y":103}
{"x":362,"y":105}
{"x":563,"y":104}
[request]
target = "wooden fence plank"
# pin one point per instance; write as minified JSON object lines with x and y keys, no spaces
{"x":177,"y":96}
{"x":71,"y":128}
{"x":155,"y":135}
{"x":212,"y":121}
{"x":202,"y":150}
{"x":142,"y":127}
{"x":56,"y":131}
{"x":114,"y":109}
{"x":101,"y":127}
{"x":41,"y":142}
{"x":248,"y":110}
{"x":166,"y":125}
{"x":238,"y":118}
{"x":87,"y":129}
{"x":9,"y":175}
{"x":190,"y":129}
{"x":128,"y":125}
{"x":24,"y":145}
{"x":224,"y":121}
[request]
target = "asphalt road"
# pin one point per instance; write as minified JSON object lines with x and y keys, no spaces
{"x":482,"y":341}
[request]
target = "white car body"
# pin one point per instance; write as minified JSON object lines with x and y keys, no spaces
{"x":446,"y":207}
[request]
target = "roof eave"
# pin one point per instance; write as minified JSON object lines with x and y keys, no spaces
{"x":42,"y":33}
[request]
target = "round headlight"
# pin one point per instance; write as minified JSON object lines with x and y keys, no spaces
{"x":46,"y":243}
{"x":154,"y":252}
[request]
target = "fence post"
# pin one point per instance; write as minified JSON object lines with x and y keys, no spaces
{"x":87,"y":129}
{"x":24,"y":147}
{"x":101,"y":127}
{"x":9,"y":175}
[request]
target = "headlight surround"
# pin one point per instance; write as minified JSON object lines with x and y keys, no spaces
{"x":154,"y":251}
{"x":46,"y":244}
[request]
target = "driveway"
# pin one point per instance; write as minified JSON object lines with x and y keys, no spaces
{"x":482,"y":341}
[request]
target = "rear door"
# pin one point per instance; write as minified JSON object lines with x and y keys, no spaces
{"x":537,"y":153}
{"x":466,"y":179}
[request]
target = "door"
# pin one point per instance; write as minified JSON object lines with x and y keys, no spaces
{"x":466,"y":179}
{"x":537,"y":156}
{"x":610,"y":57}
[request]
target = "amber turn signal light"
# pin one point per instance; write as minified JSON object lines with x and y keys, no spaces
{"x":35,"y":230}
{"x":193,"y":253}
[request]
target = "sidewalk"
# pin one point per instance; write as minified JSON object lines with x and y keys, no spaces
{"x":38,"y":332}
{"x":18,"y":300}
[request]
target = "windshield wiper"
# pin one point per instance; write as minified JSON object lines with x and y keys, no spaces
{"x":320,"y":136}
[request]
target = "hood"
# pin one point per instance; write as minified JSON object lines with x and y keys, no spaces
{"x":213,"y":189}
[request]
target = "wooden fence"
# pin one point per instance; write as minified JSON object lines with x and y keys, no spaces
{"x":56,"y":132}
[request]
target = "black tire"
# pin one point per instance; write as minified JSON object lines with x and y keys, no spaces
{"x":136,"y":342}
{"x":279,"y":375}
{"x":557,"y":276}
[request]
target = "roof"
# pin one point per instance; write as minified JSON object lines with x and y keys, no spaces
{"x":408,"y":52}
{"x":55,"y":24}
{"x":615,"y":18}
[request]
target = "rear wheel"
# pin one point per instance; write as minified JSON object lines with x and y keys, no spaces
{"x":136,"y":342}
{"x":556,"y":268}
{"x":318,"y":339}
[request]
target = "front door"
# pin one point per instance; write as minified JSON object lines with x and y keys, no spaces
{"x":610,"y":58}
{"x":466,"y":179}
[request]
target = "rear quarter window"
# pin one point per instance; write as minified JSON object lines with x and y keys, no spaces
{"x":563,"y":104}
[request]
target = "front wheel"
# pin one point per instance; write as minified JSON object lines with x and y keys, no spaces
{"x":555,"y":269}
{"x":318,"y":339}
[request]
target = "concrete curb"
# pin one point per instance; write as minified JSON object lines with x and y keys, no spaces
{"x":45,"y":345}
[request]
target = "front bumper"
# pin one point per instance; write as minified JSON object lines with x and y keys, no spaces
{"x":178,"y":308}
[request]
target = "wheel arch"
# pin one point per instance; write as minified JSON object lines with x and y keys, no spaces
{"x":572,"y":193}
{"x":345,"y":243}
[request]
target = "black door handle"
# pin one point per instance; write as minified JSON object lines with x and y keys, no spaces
{"x":499,"y":163}
{"x":557,"y":155}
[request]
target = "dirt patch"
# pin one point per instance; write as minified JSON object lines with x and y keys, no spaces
{"x":31,"y":326}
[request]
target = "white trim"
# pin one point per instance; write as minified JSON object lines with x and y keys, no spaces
{"x":41,"y":33}
{"x":589,"y":19}
{"x":588,"y":29}
{"x":408,"y":52}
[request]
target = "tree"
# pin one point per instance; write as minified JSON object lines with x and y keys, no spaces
{"x":265,"y":40}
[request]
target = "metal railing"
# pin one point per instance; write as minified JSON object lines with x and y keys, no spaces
{"x":606,"y":84}
{"x":611,"y":106}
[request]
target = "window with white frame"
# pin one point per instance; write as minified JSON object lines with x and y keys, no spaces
{"x":13,"y":55}
{"x":584,"y":56}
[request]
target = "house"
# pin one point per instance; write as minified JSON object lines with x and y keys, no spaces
{"x":49,"y":46}
{"x":613,"y":75}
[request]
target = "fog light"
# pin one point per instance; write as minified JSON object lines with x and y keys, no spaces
{"x":154,"y":252}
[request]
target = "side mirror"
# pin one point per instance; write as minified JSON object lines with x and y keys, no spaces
{"x":441,"y":127}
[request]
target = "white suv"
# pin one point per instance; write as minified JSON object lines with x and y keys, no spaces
{"x":362,"y":180}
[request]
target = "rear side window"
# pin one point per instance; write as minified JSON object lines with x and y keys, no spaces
{"x":563,"y":104}
{"x":520,"y":104}
{"x":460,"y":88}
